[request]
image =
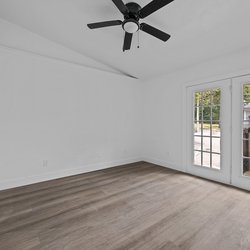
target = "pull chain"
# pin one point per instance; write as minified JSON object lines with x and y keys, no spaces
{"x":123,"y":40}
{"x":138,"y":36}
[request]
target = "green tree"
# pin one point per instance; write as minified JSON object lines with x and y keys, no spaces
{"x":246,"y":93}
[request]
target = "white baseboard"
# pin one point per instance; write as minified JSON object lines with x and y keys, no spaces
{"x":163,"y":164}
{"x":181,"y":169}
{"x":17,"y":182}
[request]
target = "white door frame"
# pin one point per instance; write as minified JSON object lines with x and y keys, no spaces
{"x":224,"y":174}
{"x":238,"y":179}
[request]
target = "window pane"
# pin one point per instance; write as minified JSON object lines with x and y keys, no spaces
{"x":197,"y":143}
{"x":197,"y":158}
{"x":206,"y":159}
{"x":246,"y":166}
{"x":216,"y":129}
{"x":246,"y":130}
{"x":206,"y":128}
{"x":245,"y":133}
{"x":198,"y":113}
{"x":216,"y":145}
{"x":197,"y":128}
{"x":207,"y":113}
{"x":206,"y":144}
{"x":246,"y":148}
{"x":246,"y":124}
{"x":206,"y":97}
{"x":216,"y":113}
{"x":246,"y":93}
{"x":197,"y":99}
{"x":215,"y":161}
{"x":246,"y":111}
{"x":216,"y":96}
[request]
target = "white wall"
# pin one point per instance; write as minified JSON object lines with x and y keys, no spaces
{"x":164,"y":108}
{"x":78,"y":119}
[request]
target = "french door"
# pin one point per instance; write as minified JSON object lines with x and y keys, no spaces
{"x":218,"y":131}
{"x":241,"y":132}
{"x":209,"y":130}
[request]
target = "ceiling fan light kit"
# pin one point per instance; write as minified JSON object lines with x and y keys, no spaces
{"x":130,"y":26}
{"x":132,"y":13}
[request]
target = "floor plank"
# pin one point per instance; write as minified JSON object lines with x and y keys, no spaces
{"x":137,"y":206}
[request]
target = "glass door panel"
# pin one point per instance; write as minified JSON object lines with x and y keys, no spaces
{"x":208,"y":147}
{"x":246,"y":130}
{"x":241,"y":132}
{"x":207,"y":128}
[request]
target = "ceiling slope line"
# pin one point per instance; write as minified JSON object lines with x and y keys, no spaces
{"x":65,"y":61}
{"x":112,"y":70}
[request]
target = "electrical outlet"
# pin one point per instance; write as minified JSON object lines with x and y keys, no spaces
{"x":45,"y":163}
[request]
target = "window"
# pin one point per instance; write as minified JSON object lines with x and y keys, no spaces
{"x":207,"y":131}
{"x":246,"y":130}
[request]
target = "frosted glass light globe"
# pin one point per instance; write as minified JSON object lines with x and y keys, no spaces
{"x":131,"y":27}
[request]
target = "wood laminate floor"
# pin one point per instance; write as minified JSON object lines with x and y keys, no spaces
{"x":138,"y":206}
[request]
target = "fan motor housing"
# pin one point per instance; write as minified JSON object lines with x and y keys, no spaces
{"x":134,"y":10}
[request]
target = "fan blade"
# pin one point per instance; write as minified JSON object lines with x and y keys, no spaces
{"x":121,"y":6}
{"x":154,"y":32}
{"x":127,"y":41}
{"x":153,"y":6}
{"x":104,"y":24}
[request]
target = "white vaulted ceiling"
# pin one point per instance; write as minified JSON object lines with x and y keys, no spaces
{"x":201,"y":30}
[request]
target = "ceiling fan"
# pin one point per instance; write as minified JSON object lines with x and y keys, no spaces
{"x":132,"y":13}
